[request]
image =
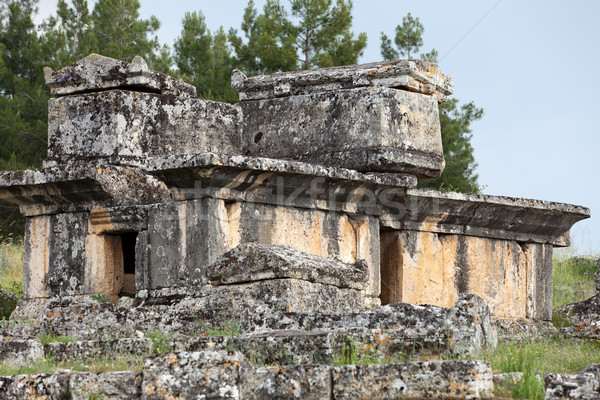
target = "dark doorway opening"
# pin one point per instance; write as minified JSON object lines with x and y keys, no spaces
{"x":128,"y":241}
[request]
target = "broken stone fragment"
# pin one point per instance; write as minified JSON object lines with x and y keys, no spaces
{"x":419,"y":76}
{"x":95,"y":73}
{"x":254,"y":262}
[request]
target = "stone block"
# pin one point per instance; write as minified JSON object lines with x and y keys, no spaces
{"x":436,"y":379}
{"x":82,"y":350}
{"x":251,"y":262}
{"x":194,"y":375}
{"x":39,"y":386}
{"x":419,"y":76}
{"x":117,"y":385}
{"x":130,"y":125}
{"x":20,"y":352}
{"x":367,"y":129}
{"x":286,"y":382}
{"x":96,"y":73}
{"x":184,"y":238}
{"x":582,"y":386}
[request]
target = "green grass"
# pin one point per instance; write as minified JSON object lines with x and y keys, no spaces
{"x":46,"y":338}
{"x":558,"y":355}
{"x":572,"y":281}
{"x":107,"y":362}
{"x":11,"y":266}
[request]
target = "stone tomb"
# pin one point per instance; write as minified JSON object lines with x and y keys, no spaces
{"x":148,"y":189}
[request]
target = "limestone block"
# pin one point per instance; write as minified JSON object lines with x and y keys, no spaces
{"x":81,"y":350}
{"x":367,"y":129}
{"x":419,"y":76}
{"x":185,"y":237}
{"x":54,"y":255}
{"x":39,"y":386}
{"x":193,"y":375}
{"x":538,"y":260}
{"x":286,"y":382}
{"x":284,"y":295}
{"x":253,"y":262}
{"x":429,"y":268}
{"x":117,"y":385}
{"x":20,"y":352}
{"x":436,"y":379}
{"x":585,"y":385}
{"x":135,"y":125}
{"x":96,"y":72}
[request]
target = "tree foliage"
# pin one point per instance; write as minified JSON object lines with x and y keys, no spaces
{"x":204,"y":59}
{"x":455,"y":120}
{"x":316,"y":33}
{"x":408,"y":39}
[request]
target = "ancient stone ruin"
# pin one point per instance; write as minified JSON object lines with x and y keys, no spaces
{"x":294,"y":210}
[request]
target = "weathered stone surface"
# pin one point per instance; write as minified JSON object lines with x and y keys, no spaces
{"x":414,"y":75}
{"x":126,"y":125}
{"x":184,"y":170}
{"x":286,"y":382}
{"x":96,"y":73}
{"x":580,"y":312}
{"x":18,"y":352}
{"x":55,"y":190}
{"x":584,"y":386}
{"x":523,"y":329}
{"x":366,"y":129}
{"x":39,"y":386}
{"x":436,"y":379}
{"x":81,"y":350}
{"x":118,"y":385}
{"x":186,"y":237}
{"x":497,"y":217}
{"x":253,"y":262}
{"x":195,"y":375}
{"x":283,"y":295}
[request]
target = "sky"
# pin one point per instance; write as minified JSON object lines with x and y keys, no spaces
{"x":532,"y":65}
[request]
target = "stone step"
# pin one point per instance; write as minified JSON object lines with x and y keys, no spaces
{"x":229,"y":375}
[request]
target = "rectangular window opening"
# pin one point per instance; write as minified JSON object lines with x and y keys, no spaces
{"x":128,"y":241}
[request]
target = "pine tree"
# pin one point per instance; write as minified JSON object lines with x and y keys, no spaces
{"x":317,"y":34}
{"x":270,"y":40}
{"x":120,"y":33}
{"x":408,"y":39}
{"x":459,"y":174}
{"x":324,"y":38}
{"x":203,"y":59}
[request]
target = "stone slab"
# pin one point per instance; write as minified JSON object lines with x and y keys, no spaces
{"x":499,"y":217}
{"x":39,"y":386}
{"x":435,"y":379}
{"x":193,"y":375}
{"x":136,"y":125}
{"x":20,"y":352}
{"x":251,"y":262}
{"x":117,"y":385}
{"x":415,"y":75}
{"x":286,"y":382}
{"x":96,"y":73}
{"x":367,"y":129}
{"x":82,"y":350}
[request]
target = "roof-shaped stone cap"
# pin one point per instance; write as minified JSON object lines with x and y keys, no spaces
{"x":413,"y":75}
{"x":96,"y":72}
